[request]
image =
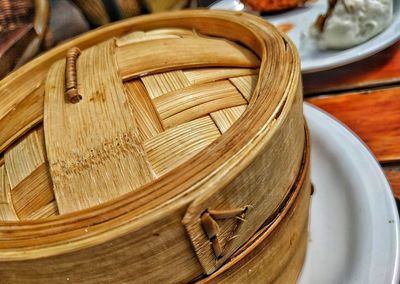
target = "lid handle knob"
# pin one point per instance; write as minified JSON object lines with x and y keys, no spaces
{"x":71,"y":82}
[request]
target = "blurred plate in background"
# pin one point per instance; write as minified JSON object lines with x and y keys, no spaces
{"x":313,"y":59}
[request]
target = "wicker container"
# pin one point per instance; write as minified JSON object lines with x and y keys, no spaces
{"x":23,"y":27}
{"x":165,"y":148}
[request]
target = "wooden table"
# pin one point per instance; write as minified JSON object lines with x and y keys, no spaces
{"x":366,"y":97}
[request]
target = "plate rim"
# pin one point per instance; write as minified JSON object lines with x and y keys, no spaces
{"x":392,"y":210}
{"x":368,"y":52}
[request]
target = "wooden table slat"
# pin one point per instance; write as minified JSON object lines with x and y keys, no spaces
{"x":381,"y":69}
{"x":373,"y":115}
{"x":393,"y":176}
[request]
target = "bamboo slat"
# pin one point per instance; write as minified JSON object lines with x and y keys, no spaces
{"x":155,"y":56}
{"x":148,"y":120}
{"x":92,"y":137}
{"x":34,"y":194}
{"x":7,"y":212}
{"x":224,"y":118}
{"x":29,"y":176}
{"x":175,"y":146}
{"x":139,"y":36}
{"x":193,"y":102}
{"x":49,"y":210}
{"x":207,"y":75}
{"x":162,"y":83}
{"x":172,"y":31}
{"x":21,"y":117}
{"x":245,"y":85}
{"x":22,"y":159}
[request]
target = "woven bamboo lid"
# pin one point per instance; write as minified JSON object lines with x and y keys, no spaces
{"x":157,"y":126}
{"x":123,"y":134}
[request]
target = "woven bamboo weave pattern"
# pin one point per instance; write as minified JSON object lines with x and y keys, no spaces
{"x":170,"y":116}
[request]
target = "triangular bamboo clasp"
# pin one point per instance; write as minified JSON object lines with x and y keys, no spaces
{"x":211,"y":227}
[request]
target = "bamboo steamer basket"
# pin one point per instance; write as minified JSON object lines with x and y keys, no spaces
{"x":172,"y":148}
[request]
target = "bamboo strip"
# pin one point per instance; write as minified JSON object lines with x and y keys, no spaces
{"x":34,"y":194}
{"x":46,"y":211}
{"x":207,"y":75}
{"x":169,"y":54}
{"x":138,"y":36}
{"x":92,"y":146}
{"x":30,"y":181}
{"x":24,"y":158}
{"x":148,"y":121}
{"x":245,"y":85}
{"x":21,"y":117}
{"x":175,"y":146}
{"x":174,"y":31}
{"x":196,"y":101}
{"x":141,"y":36}
{"x":7,"y":212}
{"x":226,"y":117}
{"x":40,"y":139}
{"x":162,"y":83}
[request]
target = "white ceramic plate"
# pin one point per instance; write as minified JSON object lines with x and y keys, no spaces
{"x":354,"y":227}
{"x":312,"y":58}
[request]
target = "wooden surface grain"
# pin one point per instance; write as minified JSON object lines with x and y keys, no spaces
{"x":366,"y":97}
{"x":380,"y":69}
{"x":373,"y":115}
{"x":393,"y":175}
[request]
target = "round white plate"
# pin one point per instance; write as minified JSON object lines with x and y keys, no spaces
{"x":313,"y":59}
{"x":354,"y":226}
